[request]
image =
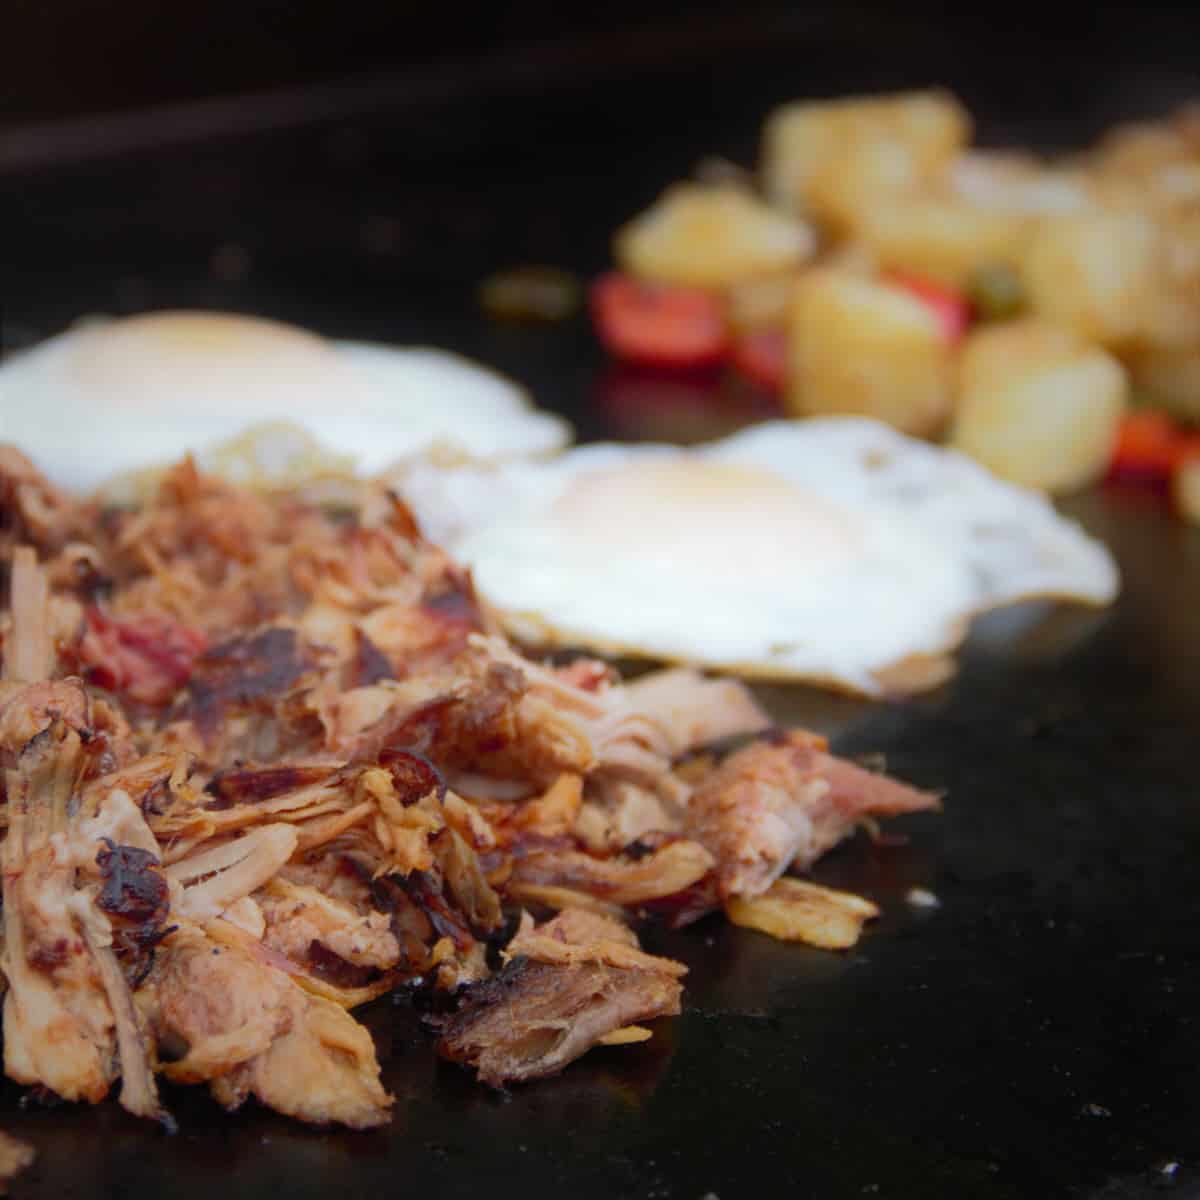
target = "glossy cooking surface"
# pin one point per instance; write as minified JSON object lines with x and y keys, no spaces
{"x":1036,"y":1035}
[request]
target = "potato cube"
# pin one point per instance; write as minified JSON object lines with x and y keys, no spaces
{"x":864,"y":347}
{"x":860,"y":176}
{"x":876,"y":141}
{"x":1096,"y":273}
{"x":1037,"y":405}
{"x":1139,"y":149}
{"x":762,"y":303}
{"x":1172,"y":317}
{"x":1016,"y":183}
{"x":711,"y":237}
{"x":944,"y":239}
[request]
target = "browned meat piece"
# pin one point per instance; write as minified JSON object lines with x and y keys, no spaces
{"x":251,"y":674}
{"x":69,"y":1019}
{"x":579,"y":936}
{"x":784,"y":801}
{"x":211,"y":1007}
{"x":322,"y":1070}
{"x":368,"y":663}
{"x":464,"y":882}
{"x":26,"y":709}
{"x":15,"y":1157}
{"x":413,"y":636}
{"x":297,"y":917}
{"x":226,"y":1016}
{"x":694,"y":711}
{"x":674,"y":867}
{"x":617,"y":814}
{"x":58,"y":1029}
{"x":541,"y":1013}
{"x":32,"y":509}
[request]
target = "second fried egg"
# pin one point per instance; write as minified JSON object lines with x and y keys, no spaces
{"x":836,"y":551}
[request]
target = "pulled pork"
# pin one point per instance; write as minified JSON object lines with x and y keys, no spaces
{"x":568,"y":985}
{"x":263,"y":762}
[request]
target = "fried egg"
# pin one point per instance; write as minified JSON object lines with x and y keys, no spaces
{"x":110,"y":397}
{"x":836,"y":551}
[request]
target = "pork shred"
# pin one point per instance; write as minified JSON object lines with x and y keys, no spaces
{"x":263,"y":761}
{"x":569,"y":984}
{"x":783,"y":802}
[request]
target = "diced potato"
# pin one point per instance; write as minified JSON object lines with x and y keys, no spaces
{"x":1172,"y":318}
{"x":1037,"y":405}
{"x":863,"y":347}
{"x":1141,"y":148}
{"x":859,"y":176}
{"x":944,"y":239}
{"x":809,"y":144}
{"x":796,"y":911}
{"x":855,"y":257}
{"x":767,"y":303}
{"x":1097,"y":273}
{"x":1016,"y":183}
{"x":1185,"y":487}
{"x":711,"y":237}
{"x":1151,"y":166}
{"x":1169,"y":377}
{"x":1172,"y":188}
{"x":762,"y":303}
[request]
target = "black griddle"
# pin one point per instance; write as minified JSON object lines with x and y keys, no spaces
{"x":1038,"y":1034}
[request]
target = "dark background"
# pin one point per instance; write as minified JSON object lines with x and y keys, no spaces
{"x":63,"y":59}
{"x":357,"y":168}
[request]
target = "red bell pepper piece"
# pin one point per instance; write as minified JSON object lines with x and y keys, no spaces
{"x":1148,"y":444}
{"x":1187,"y":449}
{"x":658,"y":325}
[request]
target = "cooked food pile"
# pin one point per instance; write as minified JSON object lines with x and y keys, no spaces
{"x":877,"y":264}
{"x":265,"y":758}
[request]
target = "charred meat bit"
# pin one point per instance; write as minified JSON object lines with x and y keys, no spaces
{"x":413,"y":776}
{"x":327,"y":965}
{"x":134,"y":886}
{"x":425,"y":891}
{"x":570,"y":983}
{"x":369,"y":664}
{"x":249,"y":785}
{"x":456,"y":604}
{"x":244,"y":671}
{"x":533,"y":1018}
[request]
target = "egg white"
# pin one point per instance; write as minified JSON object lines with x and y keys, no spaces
{"x":111,"y":397}
{"x":834,"y":550}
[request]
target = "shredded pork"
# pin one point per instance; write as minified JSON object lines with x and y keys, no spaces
{"x":264,"y":761}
